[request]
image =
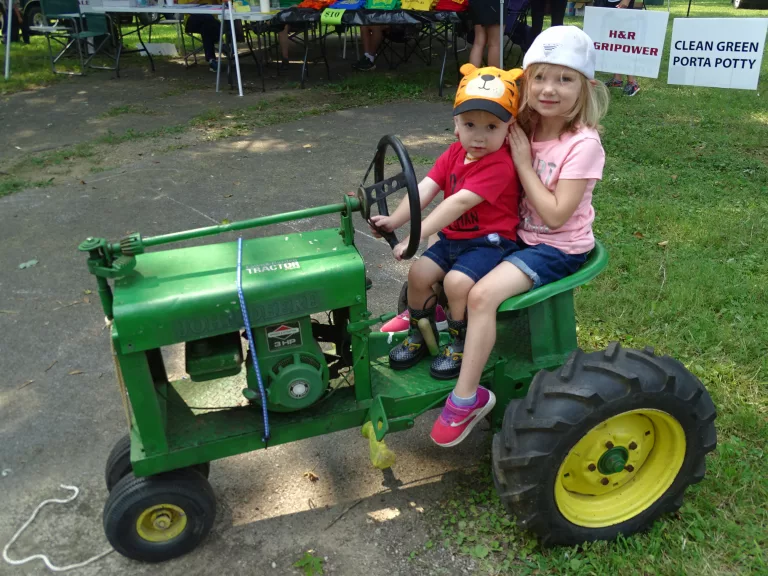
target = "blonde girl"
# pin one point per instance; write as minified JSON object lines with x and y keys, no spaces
{"x":557,"y":152}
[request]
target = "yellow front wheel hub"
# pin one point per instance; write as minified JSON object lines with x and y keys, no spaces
{"x":161,"y":523}
{"x":620,"y":468}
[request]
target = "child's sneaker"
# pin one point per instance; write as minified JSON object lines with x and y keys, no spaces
{"x":447,"y":365}
{"x":401,"y":322}
{"x":631,"y":89}
{"x":614,"y":83}
{"x":411,"y":350}
{"x":456,"y":422}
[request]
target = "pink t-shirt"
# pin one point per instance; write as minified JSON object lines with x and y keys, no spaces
{"x":574,"y":156}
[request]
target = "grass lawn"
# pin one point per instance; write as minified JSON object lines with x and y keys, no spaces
{"x":683,"y":212}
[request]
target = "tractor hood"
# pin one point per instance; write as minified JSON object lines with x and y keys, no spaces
{"x":185,"y":294}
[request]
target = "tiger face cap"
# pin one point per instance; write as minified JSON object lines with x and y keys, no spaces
{"x":490,"y":89}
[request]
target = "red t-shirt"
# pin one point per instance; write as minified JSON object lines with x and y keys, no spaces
{"x":494,"y":178}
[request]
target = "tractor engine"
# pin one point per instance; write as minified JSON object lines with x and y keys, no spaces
{"x":293,"y":368}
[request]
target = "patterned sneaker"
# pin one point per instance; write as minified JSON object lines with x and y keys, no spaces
{"x":414,"y":347}
{"x":631,"y":89}
{"x":456,"y":422}
{"x":447,"y":365}
{"x":613,"y":83}
{"x":401,"y":322}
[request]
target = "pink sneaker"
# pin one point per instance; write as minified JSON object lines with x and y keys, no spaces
{"x":455,"y":422}
{"x":400,"y":323}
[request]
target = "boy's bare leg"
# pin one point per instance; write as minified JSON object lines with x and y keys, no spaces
{"x":457,"y":286}
{"x":423,"y":274}
{"x":502,"y":282}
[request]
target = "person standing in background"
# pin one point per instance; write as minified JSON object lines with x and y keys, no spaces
{"x":538,"y":7}
{"x":631,"y":88}
{"x":485,"y":16}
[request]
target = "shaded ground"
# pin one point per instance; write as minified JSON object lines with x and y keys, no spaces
{"x":59,"y":428}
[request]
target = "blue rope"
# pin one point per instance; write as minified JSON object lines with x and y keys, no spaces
{"x":247,"y":321}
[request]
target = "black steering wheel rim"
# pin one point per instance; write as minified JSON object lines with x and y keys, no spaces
{"x":377,"y":192}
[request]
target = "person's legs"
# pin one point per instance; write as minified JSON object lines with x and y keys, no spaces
{"x":422,"y":301}
{"x":457,"y":286}
{"x":478,"y":46}
{"x":282,"y":37}
{"x":492,"y":40}
{"x":469,"y":402}
{"x":537,"y":17}
{"x":558,"y":11}
{"x":505,"y":281}
{"x":371,"y":39}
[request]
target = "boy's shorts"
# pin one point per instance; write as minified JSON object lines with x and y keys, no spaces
{"x":542,"y":263}
{"x":475,"y":257}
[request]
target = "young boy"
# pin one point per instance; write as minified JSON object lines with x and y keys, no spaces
{"x":476,"y":220}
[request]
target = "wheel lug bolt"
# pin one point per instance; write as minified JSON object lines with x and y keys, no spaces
{"x":632,"y":446}
{"x":629,"y":468}
{"x":609,"y":444}
{"x":592,"y":467}
{"x":604,"y":481}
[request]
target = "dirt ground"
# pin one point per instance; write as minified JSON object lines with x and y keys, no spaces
{"x":60,"y":411}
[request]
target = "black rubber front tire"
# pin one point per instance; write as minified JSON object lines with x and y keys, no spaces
{"x":131,"y":497}
{"x":119,"y":463}
{"x":561,"y":407}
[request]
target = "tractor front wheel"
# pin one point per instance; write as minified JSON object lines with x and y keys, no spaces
{"x":156,"y":518}
{"x":119,"y":463}
{"x":604,"y":446}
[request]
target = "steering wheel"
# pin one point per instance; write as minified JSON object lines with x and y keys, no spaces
{"x":377,"y":192}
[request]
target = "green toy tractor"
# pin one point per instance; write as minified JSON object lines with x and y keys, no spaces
{"x":278,"y":347}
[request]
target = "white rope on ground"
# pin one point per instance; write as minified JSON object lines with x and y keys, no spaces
{"x":42,"y":556}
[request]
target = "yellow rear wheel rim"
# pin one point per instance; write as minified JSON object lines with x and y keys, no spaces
{"x":620,"y":468}
{"x":161,"y":523}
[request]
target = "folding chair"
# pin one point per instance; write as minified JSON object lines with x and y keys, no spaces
{"x":400,"y":42}
{"x":66,"y":18}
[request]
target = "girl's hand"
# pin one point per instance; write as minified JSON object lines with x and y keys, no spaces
{"x":382,"y":223}
{"x":623,"y":4}
{"x":519,"y":147}
{"x":398,"y":250}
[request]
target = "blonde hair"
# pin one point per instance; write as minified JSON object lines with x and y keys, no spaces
{"x":589,"y":109}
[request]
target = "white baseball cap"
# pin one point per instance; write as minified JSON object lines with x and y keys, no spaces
{"x":566,"y":46}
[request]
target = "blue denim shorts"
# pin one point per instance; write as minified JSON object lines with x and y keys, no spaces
{"x":542,"y":263}
{"x":475,"y":257}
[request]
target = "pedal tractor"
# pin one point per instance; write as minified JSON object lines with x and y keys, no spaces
{"x":589,"y":445}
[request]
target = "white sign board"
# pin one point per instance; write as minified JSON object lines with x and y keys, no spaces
{"x":717,"y":52}
{"x":627,"y":41}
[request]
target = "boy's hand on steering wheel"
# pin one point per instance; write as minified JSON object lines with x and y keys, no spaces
{"x":398,"y":250}
{"x":382,"y":223}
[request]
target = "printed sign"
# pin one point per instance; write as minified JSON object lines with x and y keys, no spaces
{"x":285,"y":335}
{"x":717,"y":52}
{"x":331,"y":16}
{"x":627,"y":41}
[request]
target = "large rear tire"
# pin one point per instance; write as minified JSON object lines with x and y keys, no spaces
{"x":604,"y":446}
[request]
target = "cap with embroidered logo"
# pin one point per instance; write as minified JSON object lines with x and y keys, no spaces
{"x":565,"y":46}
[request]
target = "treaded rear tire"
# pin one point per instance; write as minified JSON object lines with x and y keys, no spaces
{"x":539,"y":431}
